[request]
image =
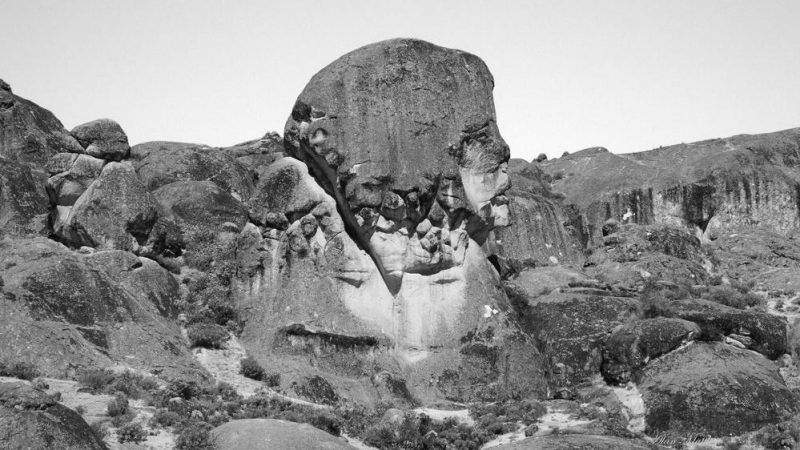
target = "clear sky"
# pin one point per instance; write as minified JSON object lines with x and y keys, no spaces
{"x":627,"y":75}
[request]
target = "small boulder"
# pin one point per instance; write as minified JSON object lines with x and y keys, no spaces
{"x":103,"y":138}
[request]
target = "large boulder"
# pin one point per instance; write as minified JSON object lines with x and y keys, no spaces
{"x":713,"y":389}
{"x":573,"y":329}
{"x":65,"y":312}
{"x":161,"y":163}
{"x":374,"y":230}
{"x":271,"y":434}
{"x":23,"y":203}
{"x":633,"y":345}
{"x":30,"y":133}
{"x":102,"y":138}
{"x":403,"y":135}
{"x":200,"y":205}
{"x":115,"y":212}
{"x":761,"y":332}
{"x":32,"y":420}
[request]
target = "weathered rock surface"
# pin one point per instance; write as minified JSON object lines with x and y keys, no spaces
{"x":23,"y":202}
{"x":269,"y":434}
{"x":200,"y":205}
{"x":64,"y":312}
{"x":767,"y":332}
{"x":573,"y":329}
{"x":713,"y":389}
{"x":115,"y":212}
{"x":103,"y":139}
{"x":402,"y":134}
{"x":633,"y":345}
{"x":373,"y":232}
{"x":30,"y":133}
{"x":541,"y":231}
{"x":71,"y":175}
{"x":32,"y":420}
{"x":709,"y":187}
{"x":161,"y":163}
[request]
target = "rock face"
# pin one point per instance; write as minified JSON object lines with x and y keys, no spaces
{"x":65,"y":312}
{"x":30,"y":133}
{"x":631,"y":346}
{"x":115,"y":212}
{"x":103,"y":139}
{"x":161,"y":163}
{"x":709,"y":187}
{"x":713,"y":388}
{"x":402,"y":134}
{"x":30,"y":419}
{"x":373,"y":229}
{"x":541,"y":230}
{"x":23,"y":203}
{"x":269,"y":434}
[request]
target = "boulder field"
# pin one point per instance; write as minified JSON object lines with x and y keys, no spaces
{"x":387,"y":250}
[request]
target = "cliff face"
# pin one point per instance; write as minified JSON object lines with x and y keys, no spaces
{"x":709,"y":187}
{"x":541,"y":230}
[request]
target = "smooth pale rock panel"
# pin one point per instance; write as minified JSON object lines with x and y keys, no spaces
{"x":270,"y":434}
{"x":103,"y":138}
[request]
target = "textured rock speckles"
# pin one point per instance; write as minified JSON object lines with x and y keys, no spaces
{"x":102,"y":138}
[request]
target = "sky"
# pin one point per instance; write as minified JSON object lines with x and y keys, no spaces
{"x":625,"y":75}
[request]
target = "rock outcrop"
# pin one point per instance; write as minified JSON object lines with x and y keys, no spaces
{"x":709,"y":187}
{"x":103,"y":139}
{"x":713,"y":389}
{"x":373,"y":228}
{"x":65,"y":312}
{"x":23,"y":202}
{"x":29,"y":133}
{"x":31,"y":419}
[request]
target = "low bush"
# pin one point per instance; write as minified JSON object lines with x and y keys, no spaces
{"x":250,"y":368}
{"x":118,"y":405}
{"x":207,"y":335}
{"x":19,"y":369}
{"x":104,"y":381}
{"x":731,"y":296}
{"x":164,"y":418}
{"x":131,"y":432}
{"x":194,"y":436}
{"x":272,"y":379}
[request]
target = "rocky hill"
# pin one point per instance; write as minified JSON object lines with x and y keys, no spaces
{"x":385,"y":271}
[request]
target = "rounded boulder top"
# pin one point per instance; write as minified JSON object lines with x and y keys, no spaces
{"x":402,"y":112}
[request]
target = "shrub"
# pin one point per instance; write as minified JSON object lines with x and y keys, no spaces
{"x":730,"y":296}
{"x":118,"y":405}
{"x":250,"y":368}
{"x":272,"y":379}
{"x":132,"y":432}
{"x":80,"y":409}
{"x":207,"y":335}
{"x":95,"y":380}
{"x":40,"y":384}
{"x":164,"y":418}
{"x":99,"y":429}
{"x":19,"y":369}
{"x":195,"y":436}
